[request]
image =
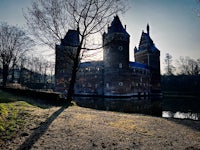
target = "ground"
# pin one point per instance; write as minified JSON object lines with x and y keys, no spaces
{"x":75,"y":128}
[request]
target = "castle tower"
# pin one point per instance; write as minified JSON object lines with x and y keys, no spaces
{"x":63,"y":65}
{"x":116,"y":57}
{"x":148,"y":54}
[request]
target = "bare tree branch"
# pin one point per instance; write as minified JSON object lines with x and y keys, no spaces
{"x":14,"y":43}
{"x":88,"y":17}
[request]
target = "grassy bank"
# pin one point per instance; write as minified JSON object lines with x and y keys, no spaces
{"x":12,"y":116}
{"x":12,"y":119}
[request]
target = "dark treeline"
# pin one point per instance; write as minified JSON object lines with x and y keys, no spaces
{"x":184,"y":77}
{"x":186,"y":84}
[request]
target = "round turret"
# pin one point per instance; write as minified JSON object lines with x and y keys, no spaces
{"x":116,"y":46}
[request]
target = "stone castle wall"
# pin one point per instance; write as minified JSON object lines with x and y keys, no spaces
{"x":115,"y":75}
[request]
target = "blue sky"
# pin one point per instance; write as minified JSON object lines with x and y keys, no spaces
{"x":174,"y":25}
{"x":11,"y":11}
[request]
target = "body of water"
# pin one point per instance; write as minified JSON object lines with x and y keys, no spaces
{"x":168,"y":107}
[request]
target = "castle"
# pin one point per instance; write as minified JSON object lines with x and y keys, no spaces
{"x":115,"y":75}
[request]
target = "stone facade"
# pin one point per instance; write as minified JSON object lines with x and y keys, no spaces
{"x":148,"y":54}
{"x":115,"y":75}
{"x":63,"y":66}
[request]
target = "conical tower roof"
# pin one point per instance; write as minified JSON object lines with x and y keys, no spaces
{"x":146,"y":42}
{"x":116,"y":26}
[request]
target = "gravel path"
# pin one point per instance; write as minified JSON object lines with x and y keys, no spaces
{"x":75,"y":128}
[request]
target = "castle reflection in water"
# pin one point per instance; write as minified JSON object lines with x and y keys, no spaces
{"x":154,"y":106}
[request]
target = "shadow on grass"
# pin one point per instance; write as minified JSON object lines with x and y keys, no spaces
{"x":35,"y":136}
{"x":193,"y":124}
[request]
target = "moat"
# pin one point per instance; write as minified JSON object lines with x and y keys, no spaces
{"x":167,"y":107}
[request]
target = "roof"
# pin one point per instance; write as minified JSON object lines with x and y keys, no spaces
{"x":138,"y":65}
{"x":146,"y":42}
{"x":92,"y":64}
{"x":116,"y":26}
{"x":101,"y":64}
{"x":71,"y":38}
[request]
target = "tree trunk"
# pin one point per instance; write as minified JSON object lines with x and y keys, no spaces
{"x":5,"y":74}
{"x":20,"y":76}
{"x":13,"y":74}
{"x":70,"y":94}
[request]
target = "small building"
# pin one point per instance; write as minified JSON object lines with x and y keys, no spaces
{"x":115,"y":75}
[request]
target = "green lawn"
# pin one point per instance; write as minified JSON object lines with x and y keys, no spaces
{"x":12,"y":115}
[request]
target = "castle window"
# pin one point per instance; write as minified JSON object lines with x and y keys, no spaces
{"x":120,"y":65}
{"x":120,"y":83}
{"x":87,"y":69}
{"x":107,"y":85}
{"x":120,"y":48}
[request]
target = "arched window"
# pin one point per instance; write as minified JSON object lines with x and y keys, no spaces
{"x":107,"y":85}
{"x":120,"y":65}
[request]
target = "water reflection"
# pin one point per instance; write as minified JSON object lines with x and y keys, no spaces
{"x":179,"y":107}
{"x":181,"y":115}
{"x":165,"y":107}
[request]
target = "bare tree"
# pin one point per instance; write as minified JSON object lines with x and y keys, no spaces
{"x":45,"y":67}
{"x":50,"y":19}
{"x":36,"y":66}
{"x":14,"y":43}
{"x":169,"y":66}
{"x":189,"y":66}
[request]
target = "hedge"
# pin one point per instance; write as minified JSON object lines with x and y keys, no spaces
{"x":46,"y":97}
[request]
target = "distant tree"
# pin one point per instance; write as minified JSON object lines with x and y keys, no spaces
{"x":45,"y":66}
{"x":49,"y":21}
{"x":198,"y":63}
{"x":52,"y":70}
{"x":189,"y":66}
{"x":14,"y":43}
{"x":169,"y":67}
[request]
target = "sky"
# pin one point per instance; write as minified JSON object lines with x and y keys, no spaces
{"x":174,"y":24}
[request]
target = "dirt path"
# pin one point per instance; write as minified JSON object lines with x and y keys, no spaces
{"x":77,"y":128}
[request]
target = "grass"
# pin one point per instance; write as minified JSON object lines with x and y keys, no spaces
{"x":13,"y":116}
{"x":123,"y":124}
